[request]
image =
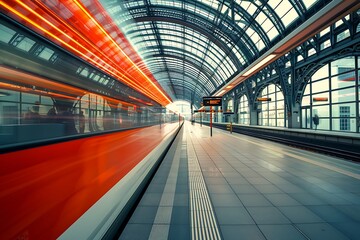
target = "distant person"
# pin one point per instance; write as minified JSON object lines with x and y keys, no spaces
{"x":66,"y":117}
{"x":316,"y":121}
{"x":81,"y":122}
{"x":33,"y":116}
{"x":51,"y":115}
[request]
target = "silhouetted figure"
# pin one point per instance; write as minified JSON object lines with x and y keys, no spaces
{"x":81,"y":122}
{"x":67,"y":118}
{"x":51,"y":115}
{"x":33,"y":116}
{"x":316,"y":121}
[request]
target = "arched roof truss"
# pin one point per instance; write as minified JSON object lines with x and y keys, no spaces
{"x":205,"y":41}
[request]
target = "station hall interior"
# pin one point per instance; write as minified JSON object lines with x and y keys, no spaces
{"x":180,"y":119}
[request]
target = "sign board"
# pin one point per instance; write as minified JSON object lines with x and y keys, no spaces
{"x":212,"y":101}
{"x":320,"y":99}
{"x":263,"y":99}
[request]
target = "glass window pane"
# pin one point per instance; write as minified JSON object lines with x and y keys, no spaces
{"x":320,"y":86}
{"x":6,"y":34}
{"x":30,"y":98}
{"x":305,"y":101}
{"x":9,"y":113}
{"x":321,"y":73}
{"x":343,"y":80}
{"x":344,"y":110}
{"x":309,"y":3}
{"x":344,"y":124}
{"x":324,"y":124}
{"x":320,"y":99}
{"x":325,"y":44}
{"x":291,"y":16}
{"x":344,"y":95}
{"x":342,"y":65}
{"x":343,"y":35}
{"x":46,"y":53}
{"x":26,"y":44}
{"x":307,"y":89}
{"x":7,"y":95}
{"x":321,"y":111}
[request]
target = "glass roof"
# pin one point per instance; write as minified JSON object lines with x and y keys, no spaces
{"x":194,"y":47}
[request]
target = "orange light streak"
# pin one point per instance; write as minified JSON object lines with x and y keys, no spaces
{"x":84,"y":51}
{"x":32,"y":80}
{"x":118,"y":47}
{"x":66,"y":44}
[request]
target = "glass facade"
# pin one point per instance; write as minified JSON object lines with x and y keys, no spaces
{"x":244,"y":111}
{"x":271,"y":113}
{"x":215,"y":39}
{"x":333,"y":95}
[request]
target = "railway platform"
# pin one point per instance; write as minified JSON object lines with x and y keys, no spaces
{"x":232,"y":186}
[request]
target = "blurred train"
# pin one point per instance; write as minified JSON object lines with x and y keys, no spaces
{"x":76,"y":145}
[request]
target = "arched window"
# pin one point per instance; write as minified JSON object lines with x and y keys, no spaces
{"x":244,"y":111}
{"x":331,"y":94}
{"x":271,"y":113}
{"x":230,"y":105}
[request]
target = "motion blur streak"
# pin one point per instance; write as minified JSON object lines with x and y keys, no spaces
{"x":50,"y":187}
{"x":79,"y":33}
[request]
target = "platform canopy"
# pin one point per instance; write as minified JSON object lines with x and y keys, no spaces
{"x":195,"y":47}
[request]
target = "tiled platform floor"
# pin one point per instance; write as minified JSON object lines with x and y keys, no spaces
{"x":258,"y":190}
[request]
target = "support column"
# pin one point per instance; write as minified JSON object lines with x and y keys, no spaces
{"x":294,"y":117}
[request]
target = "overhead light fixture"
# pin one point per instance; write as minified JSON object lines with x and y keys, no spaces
{"x":259,"y":64}
{"x":221,"y":92}
{"x":230,"y":86}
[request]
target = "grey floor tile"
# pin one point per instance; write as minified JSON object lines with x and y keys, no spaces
{"x":244,"y":188}
{"x":150,"y":199}
{"x":267,"y":188}
{"x":144,"y":214}
{"x":215,"y":180}
{"x":281,"y":232}
{"x":179,"y":232}
{"x":280,"y":199}
{"x":307,"y":199}
{"x":181,"y":200}
{"x":350,"y":229}
{"x":236,"y":180}
{"x":267,"y":215}
{"x":232,"y":174}
{"x":180,"y":215}
{"x":136,"y":232}
{"x":300,"y":214}
{"x":155,"y":188}
{"x":257,"y":180}
{"x":233,"y":215}
{"x":333,"y":199}
{"x":217,"y":188}
{"x":244,"y":232}
{"x":321,"y":231}
{"x":330,"y":213}
{"x":254,"y":200}
{"x":353,"y":211}
{"x":163,"y":215}
{"x":225,"y":200}
{"x":182,"y":188}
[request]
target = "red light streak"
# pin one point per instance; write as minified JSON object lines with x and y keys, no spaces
{"x":32,"y":80}
{"x":45,"y":20}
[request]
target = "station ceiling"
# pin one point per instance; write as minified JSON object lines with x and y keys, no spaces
{"x":194,"y":47}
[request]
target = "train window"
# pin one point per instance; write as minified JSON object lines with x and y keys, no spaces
{"x":30,"y":98}
{"x":26,"y":44}
{"x":46,"y":54}
{"x":6,"y":33}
